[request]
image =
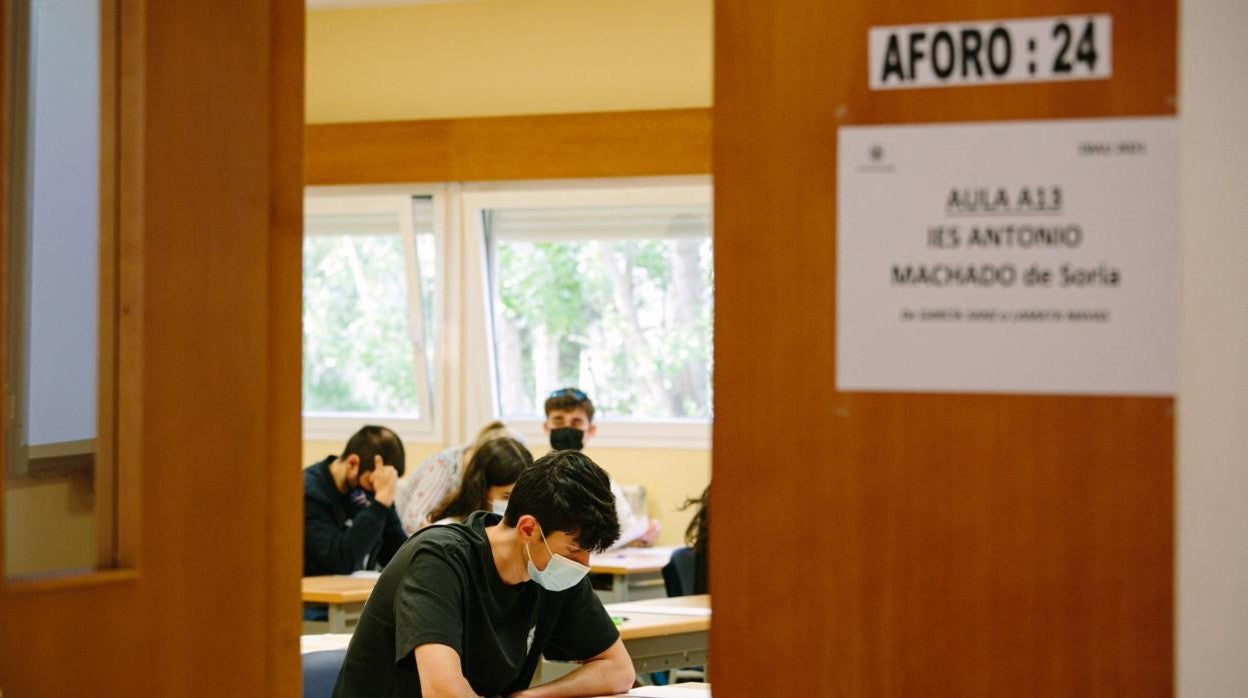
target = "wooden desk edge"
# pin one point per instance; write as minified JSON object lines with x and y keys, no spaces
{"x":674,"y":605}
{"x":616,"y":569}
{"x":677,"y":626}
{"x":334,"y":596}
{"x":335,"y":589}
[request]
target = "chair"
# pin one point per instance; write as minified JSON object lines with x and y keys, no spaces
{"x":685,"y":573}
{"x":320,"y":672}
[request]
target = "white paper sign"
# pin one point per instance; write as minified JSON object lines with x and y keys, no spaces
{"x":1030,"y":257}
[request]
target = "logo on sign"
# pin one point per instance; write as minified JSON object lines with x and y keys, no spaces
{"x":875,"y":160}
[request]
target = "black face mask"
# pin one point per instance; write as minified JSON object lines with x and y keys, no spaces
{"x":567,"y":437}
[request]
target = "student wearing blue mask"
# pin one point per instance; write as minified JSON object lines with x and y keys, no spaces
{"x":469,"y":609}
{"x":488,"y":479}
{"x":349,"y":521}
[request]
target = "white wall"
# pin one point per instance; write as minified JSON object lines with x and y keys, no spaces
{"x":1212,"y":460}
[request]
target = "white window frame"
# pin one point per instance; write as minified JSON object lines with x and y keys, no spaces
{"x":430,"y":425}
{"x":481,"y":399}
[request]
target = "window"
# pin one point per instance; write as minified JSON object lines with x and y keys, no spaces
{"x":607,"y":288}
{"x":60,"y":282}
{"x":436,"y":310}
{"x":370,"y":278}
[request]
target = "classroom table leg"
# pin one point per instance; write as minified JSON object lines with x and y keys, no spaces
{"x":640,"y":587}
{"x":343,"y":617}
{"x":651,"y":654}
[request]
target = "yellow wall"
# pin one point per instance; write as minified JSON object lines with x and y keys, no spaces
{"x":49,"y":525}
{"x":670,"y":476}
{"x":507,"y":57}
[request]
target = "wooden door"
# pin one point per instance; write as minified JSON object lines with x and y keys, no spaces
{"x":870,"y":544}
{"x":206,"y":600}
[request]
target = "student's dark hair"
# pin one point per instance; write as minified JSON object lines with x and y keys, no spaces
{"x":696,"y":532}
{"x":566,"y":491}
{"x":570,"y":399}
{"x":495,"y":463}
{"x":373,"y":440}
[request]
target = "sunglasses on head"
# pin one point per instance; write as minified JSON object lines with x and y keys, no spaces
{"x":572,"y":392}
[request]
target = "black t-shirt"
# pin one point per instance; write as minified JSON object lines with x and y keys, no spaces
{"x":442,"y":587}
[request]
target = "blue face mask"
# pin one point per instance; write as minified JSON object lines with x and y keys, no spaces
{"x":560,"y":573}
{"x":499,"y":506}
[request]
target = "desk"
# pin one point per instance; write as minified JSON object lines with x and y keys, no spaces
{"x":664,"y":634}
{"x":660,"y":642}
{"x":676,"y":690}
{"x":345,"y":597}
{"x":659,"y":634}
{"x":630,"y":574}
{"x":698,"y":605}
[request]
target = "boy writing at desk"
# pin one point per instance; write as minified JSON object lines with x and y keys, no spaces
{"x":468,"y":609}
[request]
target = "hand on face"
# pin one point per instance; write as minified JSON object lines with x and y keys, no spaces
{"x":652,"y":533}
{"x":385,"y":481}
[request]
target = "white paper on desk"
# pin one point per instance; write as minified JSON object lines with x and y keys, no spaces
{"x":322,"y":642}
{"x":654,"y":553}
{"x":658,"y":609}
{"x":366,"y":574}
{"x":676,"y":690}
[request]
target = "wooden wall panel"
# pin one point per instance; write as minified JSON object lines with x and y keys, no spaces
{"x":284,"y":350}
{"x":555,"y":146}
{"x":886,"y":544}
{"x":6,"y":156}
{"x":212,"y":344}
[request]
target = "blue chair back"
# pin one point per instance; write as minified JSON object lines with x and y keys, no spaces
{"x":685,"y":573}
{"x":320,"y":672}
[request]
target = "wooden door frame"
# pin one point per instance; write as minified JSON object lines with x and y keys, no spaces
{"x":964,"y":544}
{"x":209,"y":182}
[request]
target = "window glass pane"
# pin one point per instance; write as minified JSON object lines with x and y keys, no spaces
{"x":426,"y":255}
{"x":614,"y":300}
{"x":53,"y":277}
{"x":358,"y":353}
